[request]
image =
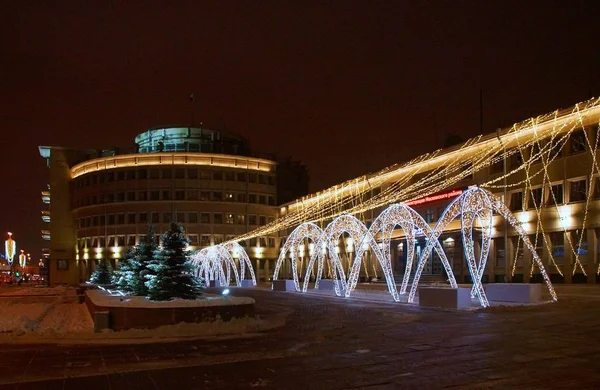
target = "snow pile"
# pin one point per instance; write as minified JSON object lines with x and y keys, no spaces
{"x":65,"y":319}
{"x":21,"y":317}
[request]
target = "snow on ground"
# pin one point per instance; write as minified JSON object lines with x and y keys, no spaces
{"x":21,"y":317}
{"x":8,"y":290}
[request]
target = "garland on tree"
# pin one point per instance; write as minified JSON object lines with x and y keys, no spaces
{"x":131,"y":276}
{"x":171,"y":269}
{"x":102,"y":273}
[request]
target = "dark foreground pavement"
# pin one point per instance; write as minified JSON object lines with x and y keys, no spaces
{"x":334,"y":343}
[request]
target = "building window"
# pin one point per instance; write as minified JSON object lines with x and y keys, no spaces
{"x":429,"y":216}
{"x":241,"y":176}
{"x":142,"y":196}
{"x":578,"y":142}
{"x":556,"y":195}
{"x":154,"y":195}
{"x":155,"y":217}
{"x":204,"y":195}
{"x":252,"y":220}
{"x":131,"y":240}
{"x":252,"y":177}
{"x":229,"y":218}
{"x":229,"y":197}
{"x":497,"y":167}
{"x":181,"y":217}
{"x":111,"y":219}
{"x":142,"y":174}
{"x":582,"y":248}
{"x":217,"y":239}
{"x":166,"y":195}
{"x":193,"y":217}
{"x":154,"y":174}
{"x":271,"y":180}
{"x":271,"y":200}
{"x":204,"y":218}
{"x":62,"y":264}
{"x":535,"y":198}
{"x":205,"y":240}
{"x":167,"y":173}
{"x":192,"y":173}
{"x":130,"y":196}
{"x":500,"y":252}
{"x":111,"y":241}
{"x":516,"y":201}
{"x":597,"y":188}
{"x":180,"y":195}
{"x":558,"y":246}
{"x":241,"y":219}
{"x":179,"y":173}
{"x":143,"y":217}
{"x":270,"y":219}
{"x":217,"y":196}
{"x":519,"y":247}
{"x":217,"y":218}
{"x":130,"y":175}
{"x":167,"y":217}
{"x":121,"y":175}
{"x":217,"y":175}
{"x":252,"y":198}
{"x":262,"y":220}
{"x":205,"y":175}
{"x":578,"y":190}
{"x":241,"y":197}
{"x":271,"y":241}
{"x":262,"y":199}
{"x":192,"y":195}
{"x":229,"y":175}
{"x":193,"y":239}
{"x":262,"y":179}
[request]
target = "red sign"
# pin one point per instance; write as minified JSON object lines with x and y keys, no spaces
{"x":433,"y":198}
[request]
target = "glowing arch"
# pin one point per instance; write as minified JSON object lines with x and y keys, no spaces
{"x":217,"y":262}
{"x":238,"y":251}
{"x":307,"y":230}
{"x":472,"y":204}
{"x":362,"y":240}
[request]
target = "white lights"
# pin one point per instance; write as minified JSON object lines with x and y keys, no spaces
{"x":217,"y":262}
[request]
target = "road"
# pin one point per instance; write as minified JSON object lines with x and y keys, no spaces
{"x":334,"y":343}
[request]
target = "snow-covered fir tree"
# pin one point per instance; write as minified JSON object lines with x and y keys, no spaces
{"x":171,"y":270}
{"x":131,"y":276}
{"x":102,"y":273}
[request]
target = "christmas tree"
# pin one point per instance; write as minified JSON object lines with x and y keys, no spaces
{"x":131,"y":276}
{"x":171,"y":270}
{"x":102,"y":274}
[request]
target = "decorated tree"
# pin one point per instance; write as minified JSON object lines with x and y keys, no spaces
{"x":171,"y":275}
{"x":131,"y":276}
{"x":102,"y":274}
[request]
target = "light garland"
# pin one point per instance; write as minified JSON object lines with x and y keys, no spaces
{"x":216,"y":263}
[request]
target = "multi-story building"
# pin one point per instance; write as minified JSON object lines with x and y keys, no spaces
{"x":101,"y":202}
{"x":548,"y":179}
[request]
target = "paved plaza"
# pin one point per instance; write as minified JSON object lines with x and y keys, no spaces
{"x":335,"y":343}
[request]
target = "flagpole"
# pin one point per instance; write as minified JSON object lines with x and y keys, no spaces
{"x":192,"y":100}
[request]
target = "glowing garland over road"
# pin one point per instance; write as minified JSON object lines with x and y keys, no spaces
{"x":434,"y":172}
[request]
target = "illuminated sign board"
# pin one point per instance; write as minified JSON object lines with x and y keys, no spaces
{"x":434,"y":198}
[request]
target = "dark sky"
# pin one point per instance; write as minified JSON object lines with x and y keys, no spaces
{"x":346,"y":87}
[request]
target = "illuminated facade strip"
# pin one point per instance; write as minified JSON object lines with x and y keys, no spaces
{"x":162,"y":159}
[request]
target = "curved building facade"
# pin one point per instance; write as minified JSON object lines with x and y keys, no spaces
{"x":101,"y":202}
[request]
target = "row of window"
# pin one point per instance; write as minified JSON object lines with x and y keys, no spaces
{"x":181,"y":195}
{"x":194,"y":240}
{"x":578,"y":239}
{"x":576,"y":144}
{"x":189,"y":217}
{"x":577,"y":191}
{"x":172,"y":173}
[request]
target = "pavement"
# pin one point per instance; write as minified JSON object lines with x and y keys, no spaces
{"x":329,"y":342}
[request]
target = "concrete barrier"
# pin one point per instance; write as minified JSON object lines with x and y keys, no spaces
{"x":451,"y":298}
{"x":247,"y":283}
{"x":327,"y":284}
{"x":514,"y":292}
{"x":283,"y":285}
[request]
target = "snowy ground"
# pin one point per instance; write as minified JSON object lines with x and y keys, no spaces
{"x":10,"y":290}
{"x":53,"y":321}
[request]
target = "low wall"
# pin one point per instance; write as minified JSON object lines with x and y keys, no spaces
{"x":123,"y":315}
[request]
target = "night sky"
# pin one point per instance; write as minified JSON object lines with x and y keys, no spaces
{"x":346,"y":87}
